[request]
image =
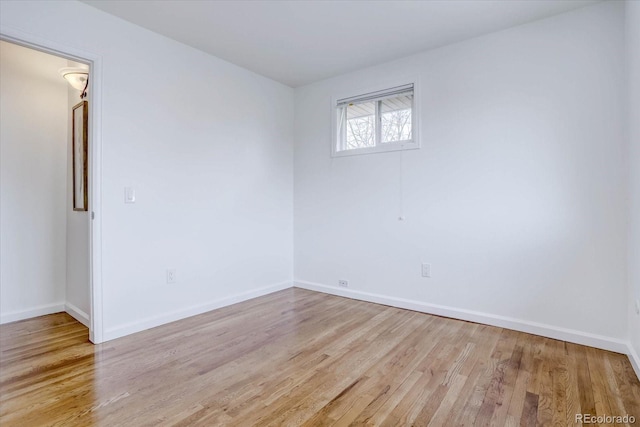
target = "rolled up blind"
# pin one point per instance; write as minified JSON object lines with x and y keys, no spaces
{"x":376,"y":96}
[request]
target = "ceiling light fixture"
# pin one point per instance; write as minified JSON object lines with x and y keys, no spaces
{"x":78,"y":78}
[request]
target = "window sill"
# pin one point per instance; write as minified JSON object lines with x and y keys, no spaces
{"x":386,"y":148}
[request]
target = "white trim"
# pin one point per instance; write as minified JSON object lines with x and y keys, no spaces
{"x":76,"y":313}
{"x":96,"y":325}
{"x":549,"y":331}
{"x":95,"y":159}
{"x":415,"y":119}
{"x":152,"y":322}
{"x":399,"y":146}
{"x":41,"y":310}
{"x":634,"y":359}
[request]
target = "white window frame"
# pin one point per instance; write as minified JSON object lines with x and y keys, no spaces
{"x":413,"y":144}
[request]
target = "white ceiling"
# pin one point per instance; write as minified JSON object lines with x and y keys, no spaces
{"x":300,"y":42}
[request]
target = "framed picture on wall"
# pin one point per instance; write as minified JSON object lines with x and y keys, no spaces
{"x":80,"y":149}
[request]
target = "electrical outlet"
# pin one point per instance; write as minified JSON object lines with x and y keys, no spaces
{"x":426,"y":270}
{"x":343,"y":283}
{"x":171,"y":276}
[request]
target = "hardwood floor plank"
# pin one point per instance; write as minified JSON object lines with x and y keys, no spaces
{"x":433,"y":372}
{"x":502,"y":356}
{"x":545,"y":392}
{"x":530,"y":410}
{"x":298,"y":357}
{"x":626,"y":381}
{"x":516,"y":404}
{"x":470,"y":399}
{"x":585,"y":385}
{"x":600,"y":395}
{"x":559,"y":378}
{"x":573,"y":392}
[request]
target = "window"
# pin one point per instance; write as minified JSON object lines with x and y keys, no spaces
{"x":378,"y":121}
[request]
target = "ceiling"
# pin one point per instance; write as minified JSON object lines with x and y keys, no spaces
{"x":300,"y":42}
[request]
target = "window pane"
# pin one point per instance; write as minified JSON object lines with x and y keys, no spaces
{"x":360,"y":126}
{"x":395,"y":116}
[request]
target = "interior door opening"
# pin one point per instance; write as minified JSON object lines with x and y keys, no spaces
{"x":47,"y":202}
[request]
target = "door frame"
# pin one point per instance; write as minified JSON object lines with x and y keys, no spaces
{"x":96,"y":326}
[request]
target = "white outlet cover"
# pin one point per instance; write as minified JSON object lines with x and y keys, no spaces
{"x":426,"y":270}
{"x":343,"y":283}
{"x":171,"y":276}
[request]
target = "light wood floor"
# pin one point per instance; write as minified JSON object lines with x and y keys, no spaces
{"x":298,"y":357}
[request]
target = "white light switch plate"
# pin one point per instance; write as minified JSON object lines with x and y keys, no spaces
{"x":129,"y":195}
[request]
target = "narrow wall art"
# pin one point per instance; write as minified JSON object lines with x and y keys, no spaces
{"x":80,"y":148}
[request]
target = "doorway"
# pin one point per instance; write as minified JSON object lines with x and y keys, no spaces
{"x":48,"y":248}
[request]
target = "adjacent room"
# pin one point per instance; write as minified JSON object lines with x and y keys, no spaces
{"x":45,"y":240}
{"x":385,"y":213}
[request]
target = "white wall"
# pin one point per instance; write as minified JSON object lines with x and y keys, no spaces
{"x":516,"y":198}
{"x":78,"y":300}
{"x":33,"y":138}
{"x":633,"y":55}
{"x":207,"y":146}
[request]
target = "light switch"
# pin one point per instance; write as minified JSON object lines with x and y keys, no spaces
{"x":129,"y":195}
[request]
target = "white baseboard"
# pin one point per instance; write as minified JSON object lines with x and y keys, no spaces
{"x":549,"y":331}
{"x":634,"y":359}
{"x":41,"y":310}
{"x":77,"y":314}
{"x":152,"y":322}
